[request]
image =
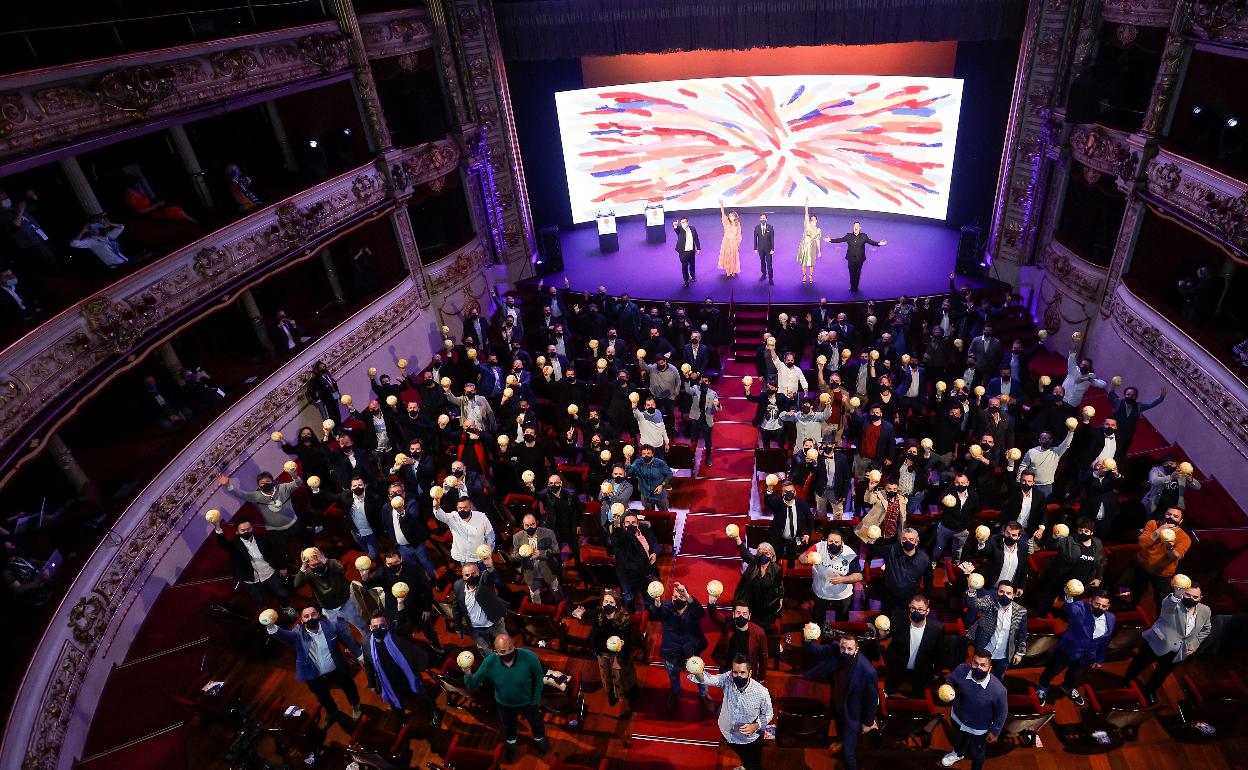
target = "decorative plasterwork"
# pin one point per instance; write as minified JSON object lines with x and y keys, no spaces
{"x":1139,"y":13}
{"x":1076,"y":275}
{"x":1219,"y":20}
{"x":453,"y":270}
{"x":1103,"y":149}
{"x":395,"y":33}
{"x":1217,"y":200}
{"x":1211,"y":387}
{"x":46,"y":363}
{"x":49,"y":107}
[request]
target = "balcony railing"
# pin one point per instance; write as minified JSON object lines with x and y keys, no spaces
{"x":44,"y":109}
{"x":46,"y":367}
{"x":1072,"y":271}
{"x":1217,"y":201}
{"x":1104,"y":149}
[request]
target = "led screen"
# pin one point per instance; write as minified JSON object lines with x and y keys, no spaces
{"x":862,"y":143}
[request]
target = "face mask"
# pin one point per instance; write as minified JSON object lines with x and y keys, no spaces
{"x":846,"y":657}
{"x":618,"y":479}
{"x":740,"y":681}
{"x":829,"y":452}
{"x":507,"y":657}
{"x":1026,"y":487}
{"x":1170,"y":520}
{"x":465,"y":515}
{"x":631,"y":529}
{"x":647,"y":458}
{"x":679,"y":604}
{"x":764,"y":560}
{"x":1084,"y":369}
{"x":312,"y":624}
{"x":306,"y":439}
{"x":916,"y":616}
{"x":554,"y":488}
{"x":979,"y":674}
{"x":1109,"y":432}
{"x":1085,"y":539}
{"x":10,"y":282}
{"x":246,"y":535}
{"x":1097,"y":612}
{"x":806,"y":410}
{"x":890,"y":495}
{"x":1044,"y":444}
{"x":790,"y":496}
{"x":649,"y":410}
{"x":608,"y":609}
{"x":320,"y":569}
{"x":357,"y":491}
{"x":1189,"y":602}
{"x":907,"y":547}
{"x":1010,"y":540}
{"x":994,"y":410}
{"x":1130,"y":399}
{"x":267,"y":488}
{"x":877,"y":418}
{"x":528,"y":439}
{"x":1004,"y":600}
{"x":961,"y":488}
{"x":6,"y":204}
{"x":379,"y":633}
{"x":459,"y":474}
{"x":474,"y":581}
{"x":741,"y":622}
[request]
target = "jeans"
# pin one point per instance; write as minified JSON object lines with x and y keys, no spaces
{"x":848,"y":733}
{"x":699,"y":429}
{"x":418,"y":554}
{"x":348,"y":613}
{"x":675,"y":668}
{"x":275,"y":585}
{"x":751,"y":754}
{"x":1045,"y":489}
{"x":945,"y":536}
{"x":484,"y":636}
{"x":914,"y":503}
{"x":369,"y":543}
{"x":509,"y":718}
{"x":973,"y":746}
{"x":1000,"y":666}
{"x":340,"y":678}
{"x":659,"y":503}
{"x":1057,"y":663}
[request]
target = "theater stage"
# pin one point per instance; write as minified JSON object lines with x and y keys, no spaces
{"x":917,"y":261}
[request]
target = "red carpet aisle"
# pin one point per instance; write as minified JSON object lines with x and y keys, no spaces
{"x":716,"y":496}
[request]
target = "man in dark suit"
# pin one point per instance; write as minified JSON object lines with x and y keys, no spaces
{"x":695,"y":353}
{"x":955,"y":523}
{"x":286,"y":332}
{"x":636,"y":552}
{"x":856,"y":252}
{"x":1100,"y":498}
{"x":476,"y":327}
{"x":257,"y":564}
{"x":315,"y":633}
{"x":831,"y":482}
{"x":987,"y":351}
{"x":739,"y":635}
{"x":913,"y":654}
{"x":790,"y":523}
{"x":687,"y":248}
{"x":393,"y":664}
{"x":417,"y":606}
{"x":855,"y":692}
{"x":1127,"y":411}
{"x":765,"y":247}
{"x":1028,"y":506}
{"x":1000,"y":557}
{"x":363,"y":513}
{"x":484,"y":620}
{"x":351,"y":460}
{"x":1089,"y":627}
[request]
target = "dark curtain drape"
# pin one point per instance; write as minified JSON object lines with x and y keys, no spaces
{"x":560,"y":29}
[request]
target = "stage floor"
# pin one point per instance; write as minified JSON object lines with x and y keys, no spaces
{"x":917,"y":261}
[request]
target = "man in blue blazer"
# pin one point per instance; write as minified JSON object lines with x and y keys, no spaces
{"x":855,"y":692}
{"x":319,"y":662}
{"x":1090,"y":625}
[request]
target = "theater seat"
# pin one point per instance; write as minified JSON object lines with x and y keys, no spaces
{"x":567,"y":702}
{"x":542,"y":622}
{"x":559,"y":764}
{"x":1122,"y":710}
{"x":1042,"y":637}
{"x":460,"y":758}
{"x":802,"y":720}
{"x":680,"y":457}
{"x":1026,"y":717}
{"x":391,"y":744}
{"x":909,"y":722}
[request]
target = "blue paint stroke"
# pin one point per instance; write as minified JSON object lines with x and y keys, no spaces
{"x":617,"y":172}
{"x":800,"y":90}
{"x":607,"y":131}
{"x":922,"y":112}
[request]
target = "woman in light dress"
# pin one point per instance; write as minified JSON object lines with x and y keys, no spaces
{"x":808,"y":251}
{"x":730,"y":246}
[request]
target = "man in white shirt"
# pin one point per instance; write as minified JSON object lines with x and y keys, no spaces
{"x":687,"y":247}
{"x":789,"y":376}
{"x":745,"y":713}
{"x":469,"y":530}
{"x":256,"y":564}
{"x":1079,"y":377}
{"x":100,"y":238}
{"x":833,"y":577}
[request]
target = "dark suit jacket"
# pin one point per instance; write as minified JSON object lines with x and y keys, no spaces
{"x":764,"y":238}
{"x":855,"y":245}
{"x":862,"y":696}
{"x":365,"y":465}
{"x":632,"y":564}
{"x":240,"y":560}
{"x":487,"y":598}
{"x":840,"y":482}
{"x":680,"y":238}
{"x":989,"y":556}
{"x":1038,"y":515}
{"x":961,"y":516}
{"x":1100,"y":490}
{"x":420,"y":592}
{"x":376,"y":508}
{"x":756,"y":646}
{"x":698,"y":361}
{"x":1077,"y":643}
{"x":777,"y":508}
{"x":931,"y":647}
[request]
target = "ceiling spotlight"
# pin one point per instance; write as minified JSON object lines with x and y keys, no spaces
{"x":1232,"y":121}
{"x":1197,"y":110}
{"x":312,"y":143}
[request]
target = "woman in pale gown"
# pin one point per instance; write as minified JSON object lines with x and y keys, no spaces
{"x":730,"y":247}
{"x":808,"y":251}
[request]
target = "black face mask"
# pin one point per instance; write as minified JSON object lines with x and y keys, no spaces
{"x":267,"y":488}
{"x":1085,"y":539}
{"x":907,"y":547}
{"x":1170,"y":520}
{"x":531,"y":530}
{"x":790,"y":496}
{"x":741,"y":622}
{"x":608,"y":609}
{"x":554,"y":488}
{"x":890,"y":495}
{"x":1097,"y":612}
{"x":458,"y":474}
{"x":916,"y":616}
{"x":764,"y":560}
{"x":305,"y":439}
{"x":806,"y":410}
{"x":741,"y":681}
{"x":877,"y":418}
{"x":961,"y":488}
{"x":1009,"y":540}
{"x":530,"y":439}
{"x":1004,"y":600}
{"x":649,"y":410}
{"x":465,"y":515}
{"x":979,"y":674}
{"x":357,"y":491}
{"x":507,"y":657}
{"x":994,"y":410}
{"x":320,"y":569}
{"x":846,"y":657}
{"x":1109,"y":432}
{"x":1025,"y":487}
{"x":1045,"y":444}
{"x":618,"y":479}
{"x":647,"y":459}
{"x":312,"y":624}
{"x":474,"y":581}
{"x":631,"y":529}
{"x":246,"y":535}
{"x":679,"y":604}
{"x":1189,"y":602}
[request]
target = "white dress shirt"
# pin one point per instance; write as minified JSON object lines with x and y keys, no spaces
{"x":263,"y":569}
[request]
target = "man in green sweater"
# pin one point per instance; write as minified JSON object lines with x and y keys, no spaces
{"x":517,"y":677}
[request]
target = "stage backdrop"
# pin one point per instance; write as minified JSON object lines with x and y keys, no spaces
{"x":863,"y":143}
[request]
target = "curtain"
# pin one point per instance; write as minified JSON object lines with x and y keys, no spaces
{"x":558,"y":29}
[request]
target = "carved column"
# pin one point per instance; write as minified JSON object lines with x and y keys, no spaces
{"x":190,"y":161}
{"x":1132,"y":183}
{"x":331,"y":275}
{"x":173,"y":364}
{"x":365,"y":87}
{"x":81,"y":187}
{"x":66,"y":461}
{"x":248,"y":302}
{"x":1174,"y":59}
{"x":458,"y":101}
{"x":402,"y":225}
{"x":279,"y":133}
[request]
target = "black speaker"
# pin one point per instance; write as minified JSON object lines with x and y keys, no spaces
{"x":549,"y":252}
{"x":970,"y":248}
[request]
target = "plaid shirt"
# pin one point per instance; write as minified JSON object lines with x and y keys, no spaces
{"x":741,"y":707}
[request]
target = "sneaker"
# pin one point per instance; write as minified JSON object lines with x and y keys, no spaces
{"x":356,"y":713}
{"x":1076,"y":698}
{"x":708,"y":464}
{"x":951,"y":759}
{"x":543,"y":746}
{"x":1041,"y":694}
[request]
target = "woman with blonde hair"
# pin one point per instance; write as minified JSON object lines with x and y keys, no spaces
{"x":808,"y":251}
{"x":730,"y":246}
{"x":762,"y":585}
{"x":615,"y":667}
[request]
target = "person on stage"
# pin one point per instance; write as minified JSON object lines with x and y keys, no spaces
{"x":765,"y":247}
{"x":856,"y":252}
{"x":687,"y":247}
{"x":808,"y":251}
{"x":730,"y":246}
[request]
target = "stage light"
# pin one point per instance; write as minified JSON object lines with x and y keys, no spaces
{"x":1232,"y":121}
{"x":1197,"y":110}
{"x":312,"y":143}
{"x":346,"y":132}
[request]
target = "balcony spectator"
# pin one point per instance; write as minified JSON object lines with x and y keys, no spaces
{"x":287,"y":333}
{"x":1200,"y":294}
{"x":324,"y":393}
{"x":138,"y":197}
{"x":240,"y":188}
{"x":165,"y":410}
{"x":23,"y":229}
{"x":100,"y":238}
{"x":16,"y":305}
{"x":201,"y":392}
{"x":25,"y":579}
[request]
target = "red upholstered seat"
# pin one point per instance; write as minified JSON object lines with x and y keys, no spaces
{"x":1104,"y":700}
{"x":1228,"y":688}
{"x":559,"y":764}
{"x":461,"y":758}
{"x":372,"y":737}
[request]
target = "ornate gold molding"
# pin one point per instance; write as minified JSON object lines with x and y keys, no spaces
{"x":396,"y":33}
{"x":1139,"y":13}
{"x":1075,"y":274}
{"x":108,"y":324}
{"x":52,"y":107}
{"x":1103,"y":149}
{"x":1217,"y":200}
